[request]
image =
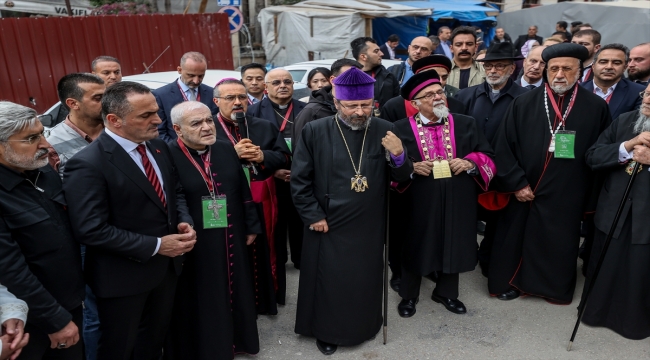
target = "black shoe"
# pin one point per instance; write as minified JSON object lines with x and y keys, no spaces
{"x":326,"y":348}
{"x":406,"y":307}
{"x":433,"y":277}
{"x":509,"y":295}
{"x":395,"y":282}
{"x":455,"y":306}
{"x":480,"y":228}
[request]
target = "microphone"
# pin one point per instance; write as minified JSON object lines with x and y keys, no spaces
{"x":240,"y":117}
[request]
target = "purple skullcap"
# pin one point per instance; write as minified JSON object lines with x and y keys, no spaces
{"x":354,"y":84}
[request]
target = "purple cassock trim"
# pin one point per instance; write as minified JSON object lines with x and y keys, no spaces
{"x":442,"y":153}
{"x":398,"y":160}
{"x":422,"y":86}
{"x":485,"y":167}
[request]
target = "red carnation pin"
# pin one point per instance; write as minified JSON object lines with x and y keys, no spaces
{"x":158,"y":151}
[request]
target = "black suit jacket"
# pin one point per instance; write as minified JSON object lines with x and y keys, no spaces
{"x":625,"y":97}
{"x":170,"y":95}
{"x":116,"y":213}
{"x":384,"y":50}
{"x":264,"y":110}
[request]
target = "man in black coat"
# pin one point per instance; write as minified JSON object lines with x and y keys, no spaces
{"x":521,"y":40}
{"x":127,"y":207}
{"x":40,"y":262}
{"x":280,"y":108}
{"x":321,"y":102}
{"x":366,"y":51}
{"x":388,"y":49}
{"x":188,"y":86}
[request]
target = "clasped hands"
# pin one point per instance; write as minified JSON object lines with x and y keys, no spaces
{"x":178,"y":244}
{"x":246,"y":150}
{"x":641,"y":146}
{"x":456,"y":166}
{"x":13,"y":338}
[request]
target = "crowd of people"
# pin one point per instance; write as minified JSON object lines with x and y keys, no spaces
{"x":158,"y":224}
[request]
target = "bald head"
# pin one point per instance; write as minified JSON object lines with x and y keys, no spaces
{"x":279,"y":85}
{"x":534,"y":65}
{"x":420,"y":47}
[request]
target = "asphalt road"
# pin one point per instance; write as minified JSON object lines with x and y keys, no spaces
{"x":524,"y":328}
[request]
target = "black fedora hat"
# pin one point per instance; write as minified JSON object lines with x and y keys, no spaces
{"x":500,"y":51}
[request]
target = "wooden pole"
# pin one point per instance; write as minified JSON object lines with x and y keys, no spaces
{"x":68,"y":7}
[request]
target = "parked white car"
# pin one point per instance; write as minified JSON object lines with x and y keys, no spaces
{"x":155,"y":80}
{"x":299,"y":71}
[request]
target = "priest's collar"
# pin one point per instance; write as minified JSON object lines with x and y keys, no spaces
{"x":279,"y":107}
{"x":197,"y":152}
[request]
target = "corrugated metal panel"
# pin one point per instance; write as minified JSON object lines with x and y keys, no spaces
{"x":36,"y":52}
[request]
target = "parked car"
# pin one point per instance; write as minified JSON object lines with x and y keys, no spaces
{"x":57,"y":114}
{"x":299,"y":71}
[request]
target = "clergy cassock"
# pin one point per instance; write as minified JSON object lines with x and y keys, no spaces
{"x":340,"y":290}
{"x":442,"y":221}
{"x":214,"y":310}
{"x":620,"y":297}
{"x":264,"y":134}
{"x":536,"y":242}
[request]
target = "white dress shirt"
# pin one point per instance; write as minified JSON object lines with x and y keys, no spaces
{"x":130,"y":148}
{"x":602,"y":94}
{"x":525,"y":83}
{"x":391,"y":52}
{"x":11,"y":308}
{"x":187,"y":90}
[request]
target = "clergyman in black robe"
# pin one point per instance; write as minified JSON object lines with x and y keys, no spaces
{"x":214,"y":310}
{"x":263,"y":150}
{"x":620,"y":297}
{"x":441,"y":211}
{"x":340,"y":290}
{"x":537,"y":237}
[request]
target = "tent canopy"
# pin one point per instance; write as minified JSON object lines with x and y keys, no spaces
{"x":624,"y":22}
{"x":468,"y":11}
{"x":324,"y":29}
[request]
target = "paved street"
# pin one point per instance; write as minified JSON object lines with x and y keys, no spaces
{"x":525,"y":328}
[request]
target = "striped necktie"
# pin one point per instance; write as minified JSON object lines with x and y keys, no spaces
{"x":151,"y":174}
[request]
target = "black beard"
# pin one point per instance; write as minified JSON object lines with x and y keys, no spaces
{"x":639,"y":74}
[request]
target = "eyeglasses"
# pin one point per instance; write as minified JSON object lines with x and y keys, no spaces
{"x":499,"y":67}
{"x":278,"y":82}
{"x":644,"y":94}
{"x":431,"y":95}
{"x":363,"y":107}
{"x":32,"y":139}
{"x":230,"y":98}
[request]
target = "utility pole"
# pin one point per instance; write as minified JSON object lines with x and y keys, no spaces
{"x":68,"y":7}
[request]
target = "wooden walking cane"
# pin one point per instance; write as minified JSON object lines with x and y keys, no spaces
{"x":386,"y":261}
{"x":608,"y":240}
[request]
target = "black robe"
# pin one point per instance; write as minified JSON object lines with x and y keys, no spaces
{"x":620,"y":297}
{"x":214,"y":310}
{"x":264,"y":134}
{"x":442,"y":213}
{"x":340,"y":291}
{"x":536,"y":243}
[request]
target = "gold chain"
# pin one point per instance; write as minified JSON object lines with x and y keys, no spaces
{"x":336,"y":119}
{"x":446,"y":140}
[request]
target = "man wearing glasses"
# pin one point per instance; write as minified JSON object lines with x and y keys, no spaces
{"x":40,"y":262}
{"x":263,"y":150}
{"x":281,"y":109}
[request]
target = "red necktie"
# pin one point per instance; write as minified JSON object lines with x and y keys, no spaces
{"x":151,"y":174}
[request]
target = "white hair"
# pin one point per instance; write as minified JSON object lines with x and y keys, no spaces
{"x":14,"y":118}
{"x":179,"y":111}
{"x":642,"y":123}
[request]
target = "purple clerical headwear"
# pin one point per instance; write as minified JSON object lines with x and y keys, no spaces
{"x":353,"y":85}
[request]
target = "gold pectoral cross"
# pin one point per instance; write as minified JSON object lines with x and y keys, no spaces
{"x":215,"y":207}
{"x":359,"y":183}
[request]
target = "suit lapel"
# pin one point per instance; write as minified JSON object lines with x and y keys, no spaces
{"x":617,"y":98}
{"x":128,"y":167}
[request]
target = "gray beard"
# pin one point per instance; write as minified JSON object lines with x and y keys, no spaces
{"x":25,"y":162}
{"x":561,"y":89}
{"x":440,"y":112}
{"x":498,"y":81}
{"x":355,"y":122}
{"x":642,"y":123}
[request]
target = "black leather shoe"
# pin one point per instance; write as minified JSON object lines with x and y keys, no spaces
{"x":406,"y":307}
{"x":433,"y":277}
{"x":509,"y":295}
{"x":326,"y":348}
{"x":395,"y":282}
{"x":455,"y":306}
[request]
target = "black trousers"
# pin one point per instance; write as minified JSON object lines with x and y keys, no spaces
{"x":399,"y":217}
{"x":447,"y":285}
{"x":134,"y":327}
{"x":39,"y":343}
{"x":485,"y":249}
